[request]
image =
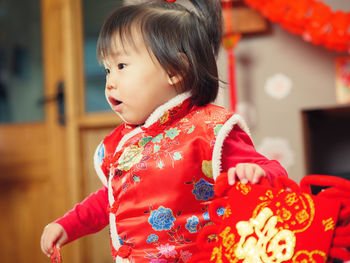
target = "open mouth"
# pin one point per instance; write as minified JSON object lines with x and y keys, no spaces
{"x":113,"y":101}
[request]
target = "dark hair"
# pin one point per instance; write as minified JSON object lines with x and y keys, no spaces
{"x":171,"y":31}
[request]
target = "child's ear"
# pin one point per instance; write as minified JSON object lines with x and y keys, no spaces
{"x":177,"y":77}
{"x":174,"y":79}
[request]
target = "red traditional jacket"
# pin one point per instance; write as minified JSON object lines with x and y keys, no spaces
{"x":160,"y":179}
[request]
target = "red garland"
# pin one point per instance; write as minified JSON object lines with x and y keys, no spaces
{"x":313,"y":20}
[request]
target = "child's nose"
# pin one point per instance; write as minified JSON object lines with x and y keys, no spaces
{"x":110,"y":86}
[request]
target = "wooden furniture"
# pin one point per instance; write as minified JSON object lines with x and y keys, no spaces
{"x":327,"y":140}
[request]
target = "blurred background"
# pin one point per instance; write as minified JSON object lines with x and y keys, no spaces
{"x":53,"y":112}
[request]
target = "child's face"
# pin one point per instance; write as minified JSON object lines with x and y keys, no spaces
{"x":136,"y":84}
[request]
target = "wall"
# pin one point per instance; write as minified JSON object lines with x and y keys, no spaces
{"x":311,"y":69}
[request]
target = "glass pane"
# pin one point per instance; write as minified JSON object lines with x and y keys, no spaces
{"x":94,"y":13}
{"x":21,"y":72}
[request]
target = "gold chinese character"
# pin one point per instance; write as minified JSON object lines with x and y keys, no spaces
{"x":260,"y":240}
{"x":328,"y":224}
{"x":291,"y":199}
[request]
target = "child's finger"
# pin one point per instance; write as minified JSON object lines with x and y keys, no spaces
{"x":241,"y":174}
{"x":231,"y":176}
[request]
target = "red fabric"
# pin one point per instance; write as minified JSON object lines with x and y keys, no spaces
{"x":239,"y":148}
{"x":150,"y":179}
{"x":90,"y":215}
{"x":87,"y":217}
{"x":279,"y":223}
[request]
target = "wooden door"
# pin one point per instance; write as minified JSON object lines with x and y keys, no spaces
{"x":37,"y":177}
{"x":32,"y":163}
{"x":46,"y":166}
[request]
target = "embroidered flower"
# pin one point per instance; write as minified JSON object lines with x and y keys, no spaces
{"x":167,"y":250}
{"x":158,"y":138}
{"x":100,"y":153}
{"x":190,"y":130}
{"x":136,"y":178}
{"x":161,"y":219}
{"x":171,"y":133}
{"x":131,"y":156}
{"x":164,"y":118}
{"x":217,"y":128}
{"x":158,"y":260}
{"x":160,"y":164}
{"x":177,"y":156}
{"x":144,"y":141}
{"x":152,"y":238}
{"x":185,"y":255}
{"x":207,"y":168}
{"x":120,"y":240}
{"x":221,"y":211}
{"x":156,"y":148}
{"x":203,"y":190}
{"x":192,"y":224}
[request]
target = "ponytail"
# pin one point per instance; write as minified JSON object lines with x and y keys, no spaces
{"x":210,"y":13}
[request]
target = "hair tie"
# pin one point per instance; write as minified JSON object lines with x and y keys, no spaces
{"x":170,"y":1}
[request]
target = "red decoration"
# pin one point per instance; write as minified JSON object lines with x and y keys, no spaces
{"x":311,"y":19}
{"x":279,"y":223}
{"x":171,"y":1}
{"x":56,"y":255}
{"x":229,"y":42}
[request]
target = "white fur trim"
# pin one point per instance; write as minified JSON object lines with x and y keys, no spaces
{"x":155,"y":116}
{"x":127,"y":137}
{"x":121,"y":260}
{"x":97,"y":166}
{"x":112,"y":224}
{"x":220,"y":139}
{"x":159,"y":112}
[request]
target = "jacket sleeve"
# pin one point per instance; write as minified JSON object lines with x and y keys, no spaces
{"x":238,"y":148}
{"x":87,"y":217}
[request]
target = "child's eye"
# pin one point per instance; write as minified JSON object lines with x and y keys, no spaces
{"x":107,"y":71}
{"x":121,"y":65}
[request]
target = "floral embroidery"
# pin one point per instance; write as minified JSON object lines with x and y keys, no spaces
{"x":207,"y":168}
{"x":177,"y":156}
{"x":203,"y":190}
{"x":136,"y":178}
{"x":172,"y":133}
{"x":220,"y":212}
{"x":167,"y":250}
{"x":192,"y":224}
{"x":144,"y":141}
{"x":164,"y":118}
{"x":185,"y":255}
{"x":152,"y":238}
{"x":156,"y":148}
{"x":190,"y":130}
{"x":131,"y":156}
{"x":160,"y":164}
{"x":217,"y":129}
{"x":161,"y":219}
{"x":158,"y":138}
{"x":101,"y":153}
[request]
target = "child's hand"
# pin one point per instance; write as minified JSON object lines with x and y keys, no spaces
{"x":245,"y":172}
{"x":53,"y":234}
